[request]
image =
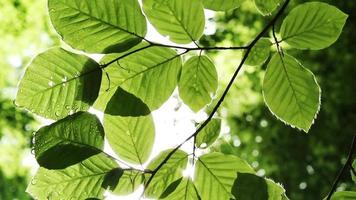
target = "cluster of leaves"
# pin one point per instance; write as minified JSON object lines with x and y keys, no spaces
{"x":137,"y":76}
{"x":256,"y":136}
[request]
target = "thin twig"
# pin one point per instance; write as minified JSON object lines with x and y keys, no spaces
{"x":279,"y":48}
{"x":194,"y":147}
{"x":248,"y":50}
{"x":344,"y":168}
{"x":128,"y":167}
{"x":125,"y":55}
{"x":199,"y":48}
{"x":109,"y":80}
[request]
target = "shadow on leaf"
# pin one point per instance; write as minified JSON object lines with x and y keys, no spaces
{"x":173,"y":186}
{"x":64,"y":153}
{"x":126,"y":104}
{"x":249,"y":187}
{"x":112,"y":178}
{"x":90,"y":80}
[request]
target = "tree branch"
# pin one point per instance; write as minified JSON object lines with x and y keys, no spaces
{"x":125,"y":55}
{"x":199,"y":48}
{"x":248,"y":50}
{"x":347,"y":164}
{"x":152,"y":44}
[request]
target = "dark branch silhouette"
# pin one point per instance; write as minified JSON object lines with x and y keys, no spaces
{"x":347,"y":164}
{"x":221,"y":100}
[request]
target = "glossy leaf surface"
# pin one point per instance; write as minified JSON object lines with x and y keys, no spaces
{"x":58,"y":82}
{"x":69,"y":141}
{"x":80,"y":181}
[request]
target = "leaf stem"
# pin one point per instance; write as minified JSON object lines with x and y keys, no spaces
{"x":248,"y":50}
{"x":347,"y":164}
{"x":279,"y":48}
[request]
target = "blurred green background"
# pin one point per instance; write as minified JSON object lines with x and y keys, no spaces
{"x":305,"y":164}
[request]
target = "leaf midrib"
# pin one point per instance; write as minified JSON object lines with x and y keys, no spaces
{"x":77,"y":178}
{"x":77,"y":143}
{"x":217,"y":179}
{"x":310,"y":29}
{"x":135,"y":148}
{"x":146,"y":70}
{"x":291,"y":85}
{"x":100,"y":20}
{"x":180,"y":22}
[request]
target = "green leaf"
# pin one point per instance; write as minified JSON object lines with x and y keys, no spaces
{"x":344,"y":195}
{"x":209,"y":134}
{"x":353,"y":175}
{"x":58,"y":82}
{"x":260,"y":52}
{"x":313,"y":25}
{"x":245,"y":188}
{"x":69,"y":141}
{"x":131,"y":137}
{"x":222,"y":5}
{"x":98,"y":26}
{"x":127,"y":182}
{"x":125,"y":104}
{"x":184,"y":191}
{"x":80,"y":181}
{"x":267,"y":6}
{"x":215,"y":175}
{"x":182,"y":20}
{"x":198,"y":82}
{"x":142,"y":74}
{"x":291,"y":92}
{"x":275,"y":191}
{"x":284,"y":197}
{"x":170,"y":172}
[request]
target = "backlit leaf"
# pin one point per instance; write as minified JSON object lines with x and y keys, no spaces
{"x":260,"y":52}
{"x":209,"y":134}
{"x":198,"y":82}
{"x":127,"y":182}
{"x":291,"y":92}
{"x":98,"y":26}
{"x":171,"y":171}
{"x":267,"y":6}
{"x":313,"y":25}
{"x":151,"y":75}
{"x":344,"y":195}
{"x":249,"y":186}
{"x":222,"y":5}
{"x":130,"y":135}
{"x":58,"y":82}
{"x":353,"y":174}
{"x":215,"y":174}
{"x":184,"y":191}
{"x":81,"y":181}
{"x":182,"y":20}
{"x":69,"y":141}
